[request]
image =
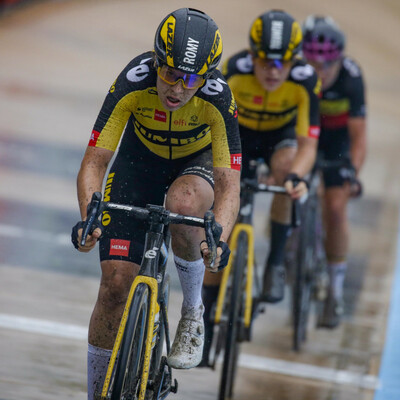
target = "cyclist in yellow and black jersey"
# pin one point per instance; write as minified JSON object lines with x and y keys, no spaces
{"x":172,"y":119}
{"x":208,"y":120}
{"x":277,"y":99}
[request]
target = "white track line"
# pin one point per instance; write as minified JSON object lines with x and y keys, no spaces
{"x":266,"y":364}
{"x":14,"y":231}
{"x":307,"y":371}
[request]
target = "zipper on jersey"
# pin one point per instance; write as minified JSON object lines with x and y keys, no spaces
{"x":264,"y":110}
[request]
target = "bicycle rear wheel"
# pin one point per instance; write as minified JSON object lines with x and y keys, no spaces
{"x":303,"y":284}
{"x":130,"y":361}
{"x":235,"y":319}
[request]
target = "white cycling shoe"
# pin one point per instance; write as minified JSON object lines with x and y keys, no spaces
{"x":187,"y":349}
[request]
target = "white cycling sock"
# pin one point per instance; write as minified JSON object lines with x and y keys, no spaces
{"x":191,"y":275}
{"x":97,"y":364}
{"x":337,"y":273}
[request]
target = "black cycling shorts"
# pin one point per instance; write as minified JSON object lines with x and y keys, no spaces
{"x":140,"y":180}
{"x":334,"y":145}
{"x":257,"y":145}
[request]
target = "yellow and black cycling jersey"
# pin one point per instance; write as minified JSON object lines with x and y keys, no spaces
{"x":294,"y":103}
{"x":208,"y":120}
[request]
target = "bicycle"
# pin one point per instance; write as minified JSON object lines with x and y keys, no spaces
{"x":306,"y":258}
{"x":137,"y":368}
{"x":235,"y":308}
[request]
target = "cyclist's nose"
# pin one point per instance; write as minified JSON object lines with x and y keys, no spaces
{"x":178,"y":87}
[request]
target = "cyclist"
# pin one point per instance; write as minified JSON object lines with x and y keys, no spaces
{"x":343,"y":137}
{"x":181,"y":142}
{"x":277,"y":99}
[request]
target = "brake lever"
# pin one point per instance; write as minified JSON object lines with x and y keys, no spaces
{"x":92,"y":214}
{"x":213,"y":233}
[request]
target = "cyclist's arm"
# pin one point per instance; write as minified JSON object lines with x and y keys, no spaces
{"x":305,"y":155}
{"x":91,"y":175}
{"x":358,"y":141}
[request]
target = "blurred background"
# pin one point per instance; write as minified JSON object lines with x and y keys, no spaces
{"x":57,"y":61}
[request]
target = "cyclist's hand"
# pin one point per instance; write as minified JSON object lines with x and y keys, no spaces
{"x":223,"y":253}
{"x":356,"y":188}
{"x":295,"y":186}
{"x":91,"y":240}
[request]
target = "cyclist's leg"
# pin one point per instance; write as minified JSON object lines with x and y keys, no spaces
{"x":190,"y":194}
{"x":280,"y":163}
{"x":116,"y":280}
{"x":335,"y":201}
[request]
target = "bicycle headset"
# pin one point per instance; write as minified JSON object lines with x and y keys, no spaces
{"x":275,"y":35}
{"x":323,"y":40}
{"x":188,"y":40}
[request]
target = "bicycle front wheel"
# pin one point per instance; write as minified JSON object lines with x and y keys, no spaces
{"x":304,"y":274}
{"x":235,"y":318}
{"x":130,"y":361}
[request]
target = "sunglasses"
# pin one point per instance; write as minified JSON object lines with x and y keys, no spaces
{"x":172,"y":76}
{"x":268,"y":63}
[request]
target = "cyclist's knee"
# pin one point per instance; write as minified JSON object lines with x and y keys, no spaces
{"x":335,"y":207}
{"x":281,"y":162}
{"x":116,"y":280}
{"x":189,"y":195}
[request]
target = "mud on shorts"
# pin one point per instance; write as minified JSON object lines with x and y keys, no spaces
{"x":139,"y":180}
{"x":334,"y":145}
{"x":257,"y":145}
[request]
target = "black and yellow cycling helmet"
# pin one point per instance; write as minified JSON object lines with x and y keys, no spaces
{"x":275,"y":35}
{"x":189,"y":40}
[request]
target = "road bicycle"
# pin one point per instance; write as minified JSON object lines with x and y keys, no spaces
{"x":306,"y":258}
{"x":237,"y":304}
{"x":137,"y":368}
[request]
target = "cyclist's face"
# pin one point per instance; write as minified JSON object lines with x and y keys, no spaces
{"x":174,"y":96}
{"x":327,"y":72}
{"x":271,"y":73}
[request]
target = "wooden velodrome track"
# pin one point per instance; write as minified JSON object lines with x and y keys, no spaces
{"x":57,"y":60}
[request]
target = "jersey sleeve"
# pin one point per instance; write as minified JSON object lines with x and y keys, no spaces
{"x":118,"y":104}
{"x":308,"y":120}
{"x":222,"y":113}
{"x":355,"y":89}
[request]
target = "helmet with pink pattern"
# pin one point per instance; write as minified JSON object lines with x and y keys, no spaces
{"x":323,"y":41}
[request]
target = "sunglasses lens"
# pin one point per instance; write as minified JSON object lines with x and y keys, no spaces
{"x":172,"y":76}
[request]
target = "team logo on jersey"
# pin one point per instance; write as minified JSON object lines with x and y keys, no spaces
{"x":119,"y":247}
{"x":93,"y":138}
{"x":236,"y":161}
{"x":257,"y":99}
{"x":139,"y":72}
{"x":160,"y":115}
{"x":313,"y":132}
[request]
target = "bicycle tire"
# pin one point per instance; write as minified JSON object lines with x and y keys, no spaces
{"x":236,"y":309}
{"x":157,"y":370}
{"x":129,"y":366}
{"x":304,"y":274}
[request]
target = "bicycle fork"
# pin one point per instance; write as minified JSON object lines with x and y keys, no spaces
{"x":238,"y":228}
{"x":153,"y":286}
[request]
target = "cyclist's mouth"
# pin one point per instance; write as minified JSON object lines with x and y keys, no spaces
{"x":172,"y":101}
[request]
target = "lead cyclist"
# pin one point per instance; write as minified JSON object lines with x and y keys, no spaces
{"x":174,"y":118}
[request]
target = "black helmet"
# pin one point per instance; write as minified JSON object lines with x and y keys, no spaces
{"x":323,"y":40}
{"x":275,"y":34}
{"x":189,"y":40}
